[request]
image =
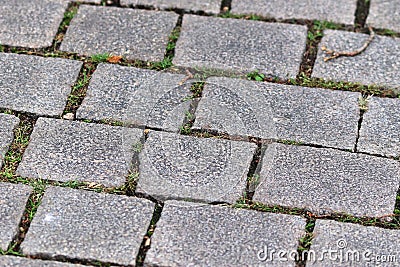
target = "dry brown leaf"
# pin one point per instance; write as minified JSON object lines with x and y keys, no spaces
{"x":114,"y":59}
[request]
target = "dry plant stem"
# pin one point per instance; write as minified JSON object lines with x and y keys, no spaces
{"x":335,"y":54}
{"x":189,"y":76}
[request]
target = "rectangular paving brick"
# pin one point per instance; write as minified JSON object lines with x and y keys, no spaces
{"x":267,"y":110}
{"x":378,"y":64}
{"x":11,"y":261}
{"x":7,"y":124}
{"x":207,"y":6}
{"x":241,"y":45}
{"x":88,"y":226}
{"x":203,"y":235}
{"x":339,"y":11}
{"x":63,"y":151}
{"x":173,"y":166}
{"x":384,"y":14}
{"x":135,"y":34}
{"x":36,"y":84}
{"x":353,"y":245}
{"x":136,"y":96}
{"x":380,"y":128}
{"x":13,"y":199}
{"x":32,"y":24}
{"x":328,"y":181}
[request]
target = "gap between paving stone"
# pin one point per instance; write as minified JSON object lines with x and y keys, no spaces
{"x":143,"y":65}
{"x":146,"y":243}
{"x":362,"y":12}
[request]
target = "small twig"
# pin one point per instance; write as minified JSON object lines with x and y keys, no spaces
{"x":189,"y":75}
{"x":334,"y":54}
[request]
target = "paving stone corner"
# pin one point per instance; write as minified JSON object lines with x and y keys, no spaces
{"x":7,"y":125}
{"x":135,"y":34}
{"x":236,"y":45}
{"x":135,"y":96}
{"x":328,"y":181}
{"x":275,"y":111}
{"x":36,"y":84}
{"x":173,"y":166}
{"x":355,"y":245}
{"x":32,"y":24}
{"x":377,"y":68}
{"x":64,"y":151}
{"x":13,"y":199}
{"x":379,"y":133}
{"x":198,"y":234}
{"x":88,"y":226}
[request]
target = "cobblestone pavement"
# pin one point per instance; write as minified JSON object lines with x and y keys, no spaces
{"x":199,"y":133}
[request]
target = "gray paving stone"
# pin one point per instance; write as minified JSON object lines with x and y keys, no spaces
{"x":75,"y":151}
{"x":7,"y":124}
{"x":136,"y":34}
{"x":380,"y":129}
{"x":87,"y":1}
{"x":87,"y":225}
{"x":240,"y":45}
{"x":341,"y":11}
{"x":32,"y":23}
{"x":328,"y":181}
{"x":193,"y":235}
{"x":207,"y":6}
{"x":11,"y":261}
{"x":136,"y":96}
{"x":378,"y":64}
{"x":266,"y":110}
{"x":354,"y":245}
{"x":205,"y":169}
{"x":13,"y":198}
{"x":384,"y":14}
{"x":36,"y":84}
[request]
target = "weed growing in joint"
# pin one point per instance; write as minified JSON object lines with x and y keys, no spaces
{"x":255,"y":76}
{"x":97,"y":58}
{"x":137,"y":147}
{"x":304,"y":80}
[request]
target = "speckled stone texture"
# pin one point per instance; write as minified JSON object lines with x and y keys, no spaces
{"x":354,"y":245}
{"x":89,"y":226}
{"x":13,"y":198}
{"x":32,"y":24}
{"x":240,"y":45}
{"x":136,"y":96}
{"x":207,"y":6}
{"x":203,"y":235}
{"x":380,"y":129}
{"x":135,"y":34}
{"x":341,"y":11}
{"x":378,"y":64}
{"x":88,"y":1}
{"x":36,"y":84}
{"x":75,"y":151}
{"x":11,"y":261}
{"x":7,"y":124}
{"x":384,"y":14}
{"x":206,"y":169}
{"x":267,"y":110}
{"x":328,"y":181}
